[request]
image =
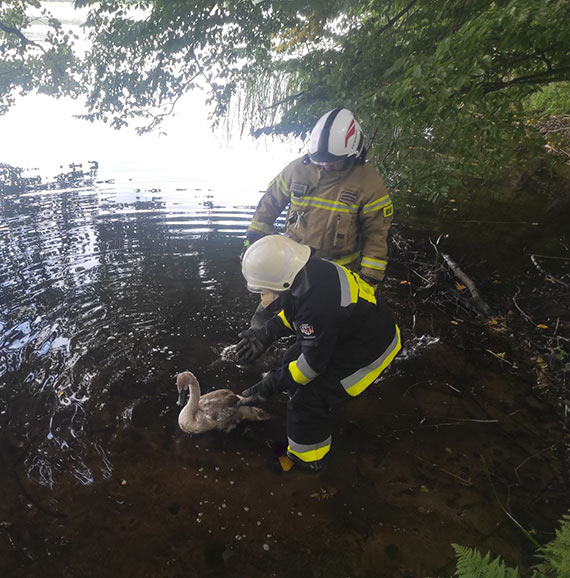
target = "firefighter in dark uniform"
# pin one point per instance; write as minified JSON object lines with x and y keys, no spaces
{"x":345,"y":338}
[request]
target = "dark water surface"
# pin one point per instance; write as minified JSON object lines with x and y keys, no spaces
{"x":108,"y":290}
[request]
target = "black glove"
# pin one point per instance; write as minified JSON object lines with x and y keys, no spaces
{"x":253,"y":343}
{"x":260,"y":391}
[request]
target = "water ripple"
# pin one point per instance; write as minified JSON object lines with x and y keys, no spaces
{"x":96,"y":286}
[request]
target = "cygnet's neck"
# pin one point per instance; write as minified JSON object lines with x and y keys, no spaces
{"x":194,"y":398}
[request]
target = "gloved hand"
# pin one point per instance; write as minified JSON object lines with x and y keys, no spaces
{"x":246,"y":246}
{"x":250,"y":239}
{"x":253,"y":343}
{"x":260,"y":391}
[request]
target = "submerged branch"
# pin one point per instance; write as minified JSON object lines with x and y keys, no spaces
{"x":477,"y":300}
{"x":527,"y":317}
{"x":525,"y":532}
{"x":546,"y":274}
{"x":462,"y":480}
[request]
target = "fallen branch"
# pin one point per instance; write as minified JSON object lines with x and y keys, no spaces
{"x":525,"y":532}
{"x":548,"y":276}
{"x":443,"y":424}
{"x":549,"y":448}
{"x":480,"y":305}
{"x":527,"y":317}
{"x":499,"y":357}
{"x":462,"y":480}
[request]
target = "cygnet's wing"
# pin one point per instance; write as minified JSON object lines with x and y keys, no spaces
{"x":219,"y":405}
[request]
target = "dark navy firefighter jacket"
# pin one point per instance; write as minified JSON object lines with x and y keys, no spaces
{"x":342,"y":329}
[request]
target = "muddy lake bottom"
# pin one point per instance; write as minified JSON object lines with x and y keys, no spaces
{"x":101,"y":309}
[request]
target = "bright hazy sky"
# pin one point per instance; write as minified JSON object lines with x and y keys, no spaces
{"x":41,"y":132}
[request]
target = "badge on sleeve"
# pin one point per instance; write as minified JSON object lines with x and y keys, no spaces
{"x":299,"y":189}
{"x":307,"y":330}
{"x":348,"y":197}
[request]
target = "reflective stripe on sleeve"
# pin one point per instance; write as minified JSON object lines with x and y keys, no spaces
{"x":346,"y":259}
{"x":357,"y":382}
{"x":310,"y":452}
{"x":281,"y":316}
{"x":377,"y":205}
{"x":379,"y":264}
{"x":301,"y":371}
{"x":261,"y":227}
{"x":282,"y":186}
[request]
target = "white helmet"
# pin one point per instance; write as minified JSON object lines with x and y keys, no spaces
{"x":272,"y":263}
{"x":336,"y":136}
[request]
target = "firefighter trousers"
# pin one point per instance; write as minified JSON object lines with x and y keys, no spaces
{"x":311,"y":411}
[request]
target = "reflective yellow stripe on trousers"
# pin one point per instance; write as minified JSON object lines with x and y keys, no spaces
{"x":357,"y":382}
{"x":310,"y":452}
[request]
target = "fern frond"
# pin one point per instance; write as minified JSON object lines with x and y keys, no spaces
{"x":470,"y":564}
{"x":556,"y":554}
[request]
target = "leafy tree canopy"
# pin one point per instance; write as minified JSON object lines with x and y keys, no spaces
{"x":47,"y":64}
{"x":443,"y":85}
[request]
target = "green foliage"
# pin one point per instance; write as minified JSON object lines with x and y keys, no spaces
{"x":444,"y":86}
{"x":47,"y":64}
{"x":555,"y":559}
{"x":443,"y":83}
{"x":556,"y":554}
{"x":470,"y":564}
{"x":552,"y":99}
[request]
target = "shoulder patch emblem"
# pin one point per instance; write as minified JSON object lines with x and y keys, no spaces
{"x":348,"y":197}
{"x":389,"y":210}
{"x":299,"y":189}
{"x":307,"y":330}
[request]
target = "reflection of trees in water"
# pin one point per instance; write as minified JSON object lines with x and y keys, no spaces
{"x":39,"y":248}
{"x":14,"y":182}
{"x":42,"y":290}
{"x":89,"y":299}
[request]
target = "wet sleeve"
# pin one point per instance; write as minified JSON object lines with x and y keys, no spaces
{"x":271,"y":205}
{"x":376,"y":218}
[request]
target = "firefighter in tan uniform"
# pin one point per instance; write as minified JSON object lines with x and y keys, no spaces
{"x":337,"y":203}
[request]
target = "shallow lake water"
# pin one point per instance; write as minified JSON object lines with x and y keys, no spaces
{"x":109,"y":289}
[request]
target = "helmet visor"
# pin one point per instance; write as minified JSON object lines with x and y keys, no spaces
{"x":337,"y":165}
{"x":256,"y":289}
{"x":324,"y":157}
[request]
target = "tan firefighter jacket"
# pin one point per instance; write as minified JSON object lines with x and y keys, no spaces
{"x":344,"y":215}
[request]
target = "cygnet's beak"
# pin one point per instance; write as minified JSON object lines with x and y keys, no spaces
{"x":181,"y":397}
